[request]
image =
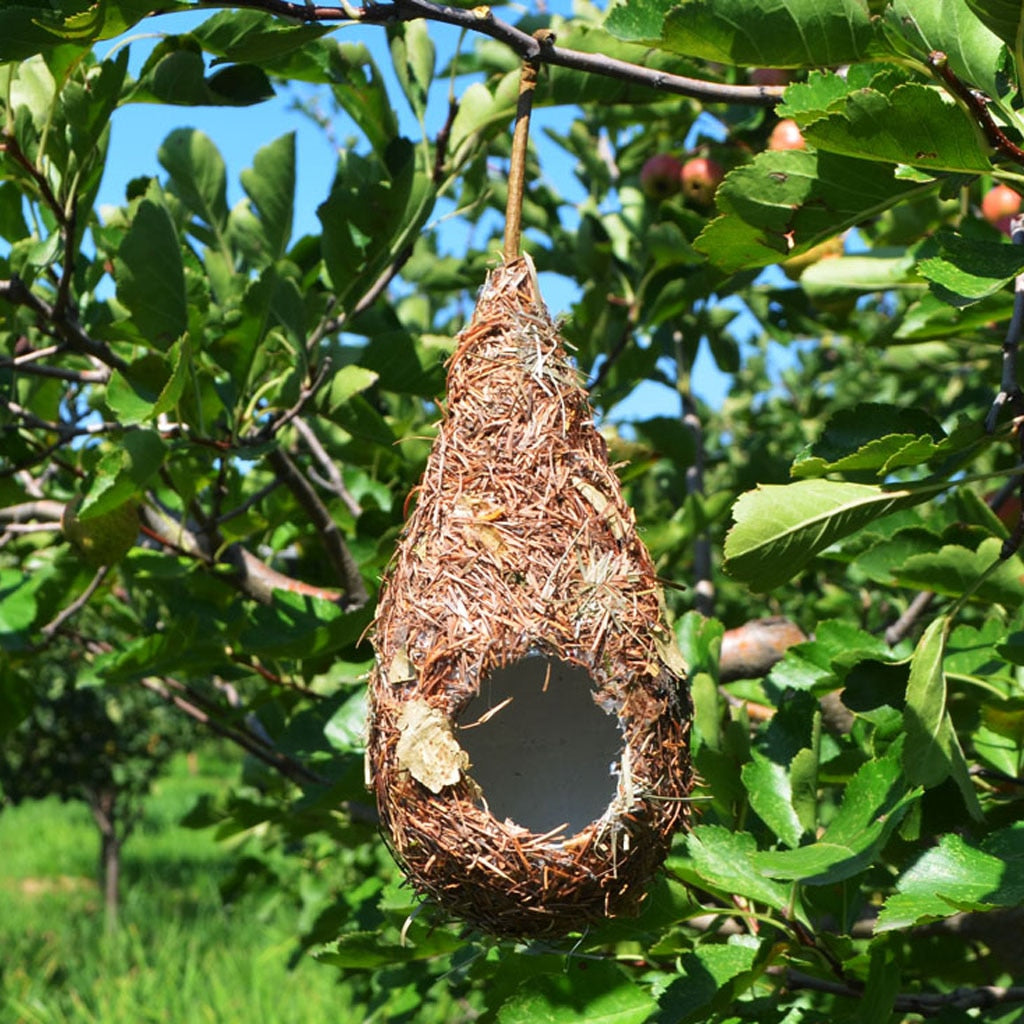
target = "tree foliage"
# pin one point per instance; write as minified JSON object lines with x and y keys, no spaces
{"x":264,"y":403}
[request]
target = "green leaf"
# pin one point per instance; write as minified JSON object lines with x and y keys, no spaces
{"x":704,"y":982}
{"x":910,"y":124}
{"x":959,"y":876}
{"x":779,"y":528}
{"x":883,"y":984}
{"x":1003,"y":17}
{"x":932,"y":751}
{"x":367,"y":952}
{"x":951,"y":27}
{"x":175,"y":73}
{"x":871,"y":436}
{"x":150,"y":386}
{"x":375,"y":209}
{"x":270,"y":184}
{"x":254,"y":37}
{"x":925,"y":756}
{"x":771,"y":797}
{"x":968,"y":269}
{"x":874,"y":803}
{"x":124,"y":471}
{"x":151,"y":277}
{"x":348,"y":382}
{"x":357,"y":85}
{"x":783,"y":203}
{"x":771,"y":33}
{"x":413,"y":55}
{"x":727,"y":861}
{"x":599,"y":991}
{"x":198,"y":174}
{"x":956,"y":570}
{"x":299,"y":626}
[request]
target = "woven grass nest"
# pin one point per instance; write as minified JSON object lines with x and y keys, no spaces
{"x":529,"y":719}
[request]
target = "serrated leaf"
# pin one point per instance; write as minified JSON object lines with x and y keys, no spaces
{"x":1003,"y":17}
{"x":124,"y":471}
{"x":932,"y":751}
{"x":298,"y":626}
{"x":967,"y":269}
{"x":779,"y":528}
{"x":955,"y":876}
{"x":151,"y":277}
{"x":771,"y":33}
{"x":413,"y":55}
{"x":607,"y":993}
{"x":911,"y":124}
{"x":771,"y":797}
{"x":727,"y":861}
{"x":871,"y":436}
{"x":951,"y":27}
{"x":874,"y":802}
{"x":254,"y":36}
{"x":365,"y":950}
{"x":705,"y":979}
{"x":150,"y":386}
{"x":784,"y":202}
{"x":955,"y":570}
{"x":924,"y":756}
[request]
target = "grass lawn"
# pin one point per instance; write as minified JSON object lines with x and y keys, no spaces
{"x":180,"y":955}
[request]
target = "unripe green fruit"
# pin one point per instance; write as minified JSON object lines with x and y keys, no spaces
{"x":103,"y":539}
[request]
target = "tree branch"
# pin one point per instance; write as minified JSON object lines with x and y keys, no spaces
{"x":334,"y":482}
{"x":337,"y":551}
{"x":51,"y":628}
{"x":482,"y":20}
{"x":250,"y":576}
{"x":928,"y":1004}
{"x":17,"y":293}
{"x":976,"y":104}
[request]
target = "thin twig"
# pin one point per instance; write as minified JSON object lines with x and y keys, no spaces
{"x":928,"y":1004}
{"x":1009,"y":388}
{"x":905,"y":623}
{"x":67,"y":328}
{"x":517,"y":163}
{"x":51,"y":628}
{"x":481,"y":19}
{"x":977,"y":105}
{"x":334,"y":481}
{"x":334,"y":543}
{"x":703,"y":579}
{"x":275,"y":425}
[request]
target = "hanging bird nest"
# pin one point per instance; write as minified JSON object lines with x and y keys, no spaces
{"x":529,"y":720}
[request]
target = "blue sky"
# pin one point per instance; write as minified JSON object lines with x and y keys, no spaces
{"x":139,"y":129}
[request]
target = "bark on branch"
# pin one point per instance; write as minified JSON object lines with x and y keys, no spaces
{"x":482,"y":20}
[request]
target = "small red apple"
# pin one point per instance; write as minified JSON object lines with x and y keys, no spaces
{"x":768,"y":76}
{"x":999,"y":205}
{"x":659,"y":176}
{"x":787,"y":135}
{"x":700,"y":177}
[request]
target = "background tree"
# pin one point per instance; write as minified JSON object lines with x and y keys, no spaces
{"x":266,"y":402}
{"x":105,"y":749}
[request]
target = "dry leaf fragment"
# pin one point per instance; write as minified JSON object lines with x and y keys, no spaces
{"x":426,"y":747}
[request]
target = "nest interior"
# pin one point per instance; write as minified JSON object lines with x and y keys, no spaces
{"x":520,"y":630}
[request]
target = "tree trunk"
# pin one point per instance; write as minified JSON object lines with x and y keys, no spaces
{"x":104,"y":810}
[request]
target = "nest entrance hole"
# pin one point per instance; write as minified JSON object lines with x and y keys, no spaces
{"x":546,"y":756}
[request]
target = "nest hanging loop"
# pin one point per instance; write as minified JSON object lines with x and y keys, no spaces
{"x":529,"y":719}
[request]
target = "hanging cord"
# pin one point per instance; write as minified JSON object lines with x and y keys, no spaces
{"x":517,"y":164}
